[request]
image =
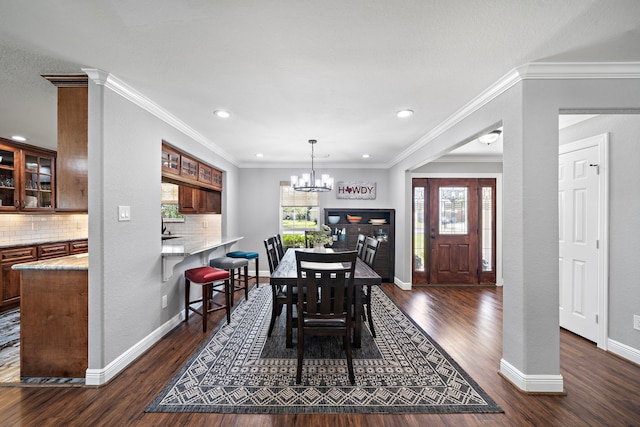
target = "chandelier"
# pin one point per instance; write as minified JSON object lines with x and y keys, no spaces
{"x":308,"y":182}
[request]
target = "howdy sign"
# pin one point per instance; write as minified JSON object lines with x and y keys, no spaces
{"x":356,"y":190}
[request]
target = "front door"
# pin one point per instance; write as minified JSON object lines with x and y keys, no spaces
{"x":454,"y":230}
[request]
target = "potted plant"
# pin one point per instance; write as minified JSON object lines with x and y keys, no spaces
{"x":319,"y":239}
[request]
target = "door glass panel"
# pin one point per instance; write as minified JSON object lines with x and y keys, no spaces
{"x":453,"y":203}
{"x":418,"y":229}
{"x":487,"y":228}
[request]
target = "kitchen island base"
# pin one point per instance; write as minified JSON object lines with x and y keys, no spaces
{"x":54,"y":323}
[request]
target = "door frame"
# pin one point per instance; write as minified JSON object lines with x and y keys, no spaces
{"x":602,"y":143}
{"x":498,"y":178}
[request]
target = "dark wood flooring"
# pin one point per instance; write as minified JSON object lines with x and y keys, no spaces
{"x":601,"y":389}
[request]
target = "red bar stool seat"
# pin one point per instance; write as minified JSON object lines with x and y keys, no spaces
{"x":211,"y":279}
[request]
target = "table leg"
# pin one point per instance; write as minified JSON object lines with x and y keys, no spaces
{"x":357,"y":327}
{"x":289,"y":326}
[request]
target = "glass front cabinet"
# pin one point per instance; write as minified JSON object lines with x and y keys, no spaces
{"x":27,"y":179}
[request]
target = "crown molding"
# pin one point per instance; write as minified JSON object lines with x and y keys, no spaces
{"x":579,"y":70}
{"x":531,"y":71}
{"x":121,"y":88}
{"x":67,"y":80}
{"x":502,"y":85}
{"x":299,"y":165}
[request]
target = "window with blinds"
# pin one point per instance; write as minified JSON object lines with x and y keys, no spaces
{"x":299,"y":212}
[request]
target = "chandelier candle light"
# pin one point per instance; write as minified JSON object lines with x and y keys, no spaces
{"x":308,"y":181}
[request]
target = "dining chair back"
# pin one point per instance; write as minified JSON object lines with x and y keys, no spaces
{"x":325,"y":304}
{"x":360,"y":245}
{"x":279,"y":246}
{"x":271,"y":248}
{"x":370,"y":249}
{"x":369,"y":256}
{"x":278,"y":292}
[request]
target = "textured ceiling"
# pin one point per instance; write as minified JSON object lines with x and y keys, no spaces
{"x":292,"y":70}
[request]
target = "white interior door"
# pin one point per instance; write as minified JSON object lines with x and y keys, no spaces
{"x":578,"y":202}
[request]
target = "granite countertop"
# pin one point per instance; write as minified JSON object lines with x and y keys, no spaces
{"x":191,"y":245}
{"x":70,"y":262}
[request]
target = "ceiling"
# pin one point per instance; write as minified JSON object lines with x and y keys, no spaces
{"x":291,"y":70}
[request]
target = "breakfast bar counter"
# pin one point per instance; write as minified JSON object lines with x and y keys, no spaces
{"x":176,"y":250}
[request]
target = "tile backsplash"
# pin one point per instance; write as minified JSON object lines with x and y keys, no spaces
{"x":26,"y":229}
{"x":209,"y":224}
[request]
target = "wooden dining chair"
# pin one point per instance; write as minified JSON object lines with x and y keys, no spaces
{"x":278,"y":292}
{"x":279,"y":246}
{"x":369,"y":256}
{"x":325,"y":307}
{"x":360,"y":245}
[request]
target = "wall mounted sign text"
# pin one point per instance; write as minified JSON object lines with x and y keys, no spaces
{"x":356,"y":190}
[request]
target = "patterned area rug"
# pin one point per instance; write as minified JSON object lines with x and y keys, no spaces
{"x":241,"y":370}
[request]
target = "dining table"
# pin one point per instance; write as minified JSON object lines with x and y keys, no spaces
{"x":286,"y":273}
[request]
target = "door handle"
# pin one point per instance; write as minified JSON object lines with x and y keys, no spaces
{"x":433,"y":237}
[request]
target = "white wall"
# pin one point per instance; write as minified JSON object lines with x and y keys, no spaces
{"x":624,"y":205}
{"x":125,"y":282}
{"x":259,"y":199}
{"x":528,"y":111}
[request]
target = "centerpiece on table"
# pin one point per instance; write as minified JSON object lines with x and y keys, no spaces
{"x":319,"y":239}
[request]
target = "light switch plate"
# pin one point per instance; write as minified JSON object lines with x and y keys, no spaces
{"x":124,"y":213}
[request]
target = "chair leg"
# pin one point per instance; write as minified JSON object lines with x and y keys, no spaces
{"x":228,"y":298}
{"x":373,"y":331}
{"x":187,"y":285}
{"x":300,"y":356}
{"x":257,"y":274}
{"x":352,"y":376}
{"x":274,"y":308}
{"x":206,"y":295}
{"x":246,"y":282}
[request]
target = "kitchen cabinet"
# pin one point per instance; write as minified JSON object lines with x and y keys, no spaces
{"x":54,"y":318}
{"x":170,"y":160}
{"x":78,"y":246}
{"x":198,"y":201}
{"x":178,"y":167}
{"x":377,"y":223}
{"x":53,"y":250}
{"x":27,"y":178}
{"x":10,"y":279}
{"x":189,"y":168}
{"x":72,"y":184}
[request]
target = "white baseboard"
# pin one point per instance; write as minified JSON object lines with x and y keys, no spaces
{"x":624,"y":351}
{"x":97,"y":377}
{"x":402,"y":285}
{"x":531,"y":383}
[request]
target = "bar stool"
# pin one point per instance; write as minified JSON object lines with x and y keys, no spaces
{"x":210,"y":279}
{"x":234,"y":266}
{"x":248,"y":256}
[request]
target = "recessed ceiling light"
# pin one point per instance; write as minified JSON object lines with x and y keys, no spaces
{"x":404,"y":113}
{"x":260,"y":155}
{"x":366,"y":156}
{"x":222,"y":114}
{"x":18,"y":138}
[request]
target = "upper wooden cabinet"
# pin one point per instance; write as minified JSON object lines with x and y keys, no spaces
{"x":27,"y":178}
{"x":199,"y":201}
{"x":180,"y":167}
{"x":189,"y":168}
{"x":170,"y":161}
{"x":72,"y":159}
